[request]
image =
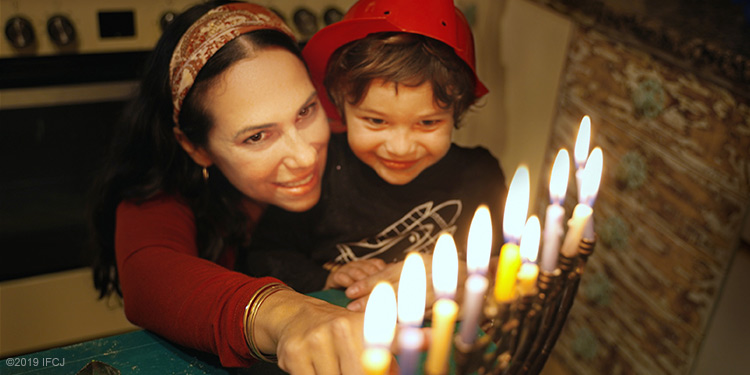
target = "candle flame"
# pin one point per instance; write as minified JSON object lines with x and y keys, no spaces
{"x":480,"y":241}
{"x":516,"y":205}
{"x":530,"y":239}
{"x":592,"y":177}
{"x":445,"y":267}
{"x":582,"y":142}
{"x":412,"y":289}
{"x":380,"y":316}
{"x":558,"y":182}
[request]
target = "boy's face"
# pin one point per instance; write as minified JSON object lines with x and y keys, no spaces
{"x":398,"y":134}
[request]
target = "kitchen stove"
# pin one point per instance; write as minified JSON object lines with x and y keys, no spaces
{"x":66,"y":69}
{"x":54,"y":27}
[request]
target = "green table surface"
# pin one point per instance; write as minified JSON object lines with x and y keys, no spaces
{"x":138,"y":352}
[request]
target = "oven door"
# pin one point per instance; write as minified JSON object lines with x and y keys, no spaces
{"x":53,"y":138}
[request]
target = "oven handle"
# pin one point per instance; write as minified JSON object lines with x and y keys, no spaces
{"x":29,"y":97}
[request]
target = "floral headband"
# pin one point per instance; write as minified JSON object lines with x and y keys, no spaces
{"x":207,"y":35}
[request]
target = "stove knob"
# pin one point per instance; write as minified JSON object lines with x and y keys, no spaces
{"x":19,"y":32}
{"x":332,"y":15}
{"x":306,"y":22}
{"x":166,"y":19}
{"x":61,"y":30}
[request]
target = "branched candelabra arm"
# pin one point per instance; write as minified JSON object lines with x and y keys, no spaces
{"x":469,"y":357}
{"x":525,"y":331}
{"x":572,"y":281}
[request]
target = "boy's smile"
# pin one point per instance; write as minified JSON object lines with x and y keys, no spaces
{"x":398,"y":130}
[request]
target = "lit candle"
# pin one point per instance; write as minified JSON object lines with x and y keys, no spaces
{"x":444,"y":310}
{"x":553,"y":228}
{"x":529,"y":271}
{"x":576,"y":225}
{"x":590,"y":189}
{"x":514,"y":217}
{"x":582,"y":150}
{"x":412,"y":289}
{"x":516,"y":206}
{"x":379,"y":327}
{"x":477,"y":261}
{"x":480,"y":242}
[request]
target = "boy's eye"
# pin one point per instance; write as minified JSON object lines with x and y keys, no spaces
{"x":430,"y":122}
{"x":375,"y":121}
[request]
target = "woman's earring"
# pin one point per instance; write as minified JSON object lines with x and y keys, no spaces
{"x":205,"y":174}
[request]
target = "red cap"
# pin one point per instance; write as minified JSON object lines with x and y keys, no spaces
{"x":437,"y":19}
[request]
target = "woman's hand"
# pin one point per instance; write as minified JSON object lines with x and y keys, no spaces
{"x":351,"y":272}
{"x":310,"y":336}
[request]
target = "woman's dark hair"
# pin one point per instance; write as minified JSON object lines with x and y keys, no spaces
{"x":404,"y":59}
{"x":145,"y":159}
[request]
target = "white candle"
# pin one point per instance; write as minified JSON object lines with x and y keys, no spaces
{"x":476,"y":287}
{"x":516,"y":206}
{"x":410,"y":341}
{"x":444,"y":310}
{"x":582,"y":150}
{"x":590,"y":189}
{"x":479,"y":244}
{"x":477,"y":261}
{"x":445,"y":267}
{"x":576,"y":225}
{"x":412,"y":289}
{"x":553,"y":228}
{"x":379,"y":327}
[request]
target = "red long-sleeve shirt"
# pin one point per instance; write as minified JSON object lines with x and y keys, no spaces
{"x":169,"y":290}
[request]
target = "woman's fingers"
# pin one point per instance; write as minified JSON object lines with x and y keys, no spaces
{"x":349,"y":352}
{"x":358,"y":305}
{"x":321,"y":338}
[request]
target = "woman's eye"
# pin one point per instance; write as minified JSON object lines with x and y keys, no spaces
{"x":255,"y":138}
{"x":308,"y":111}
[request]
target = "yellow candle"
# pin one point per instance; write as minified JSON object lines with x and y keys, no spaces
{"x":507,"y":268}
{"x":529,"y":250}
{"x":444,"y":313}
{"x":444,"y":310}
{"x":527,"y":276}
{"x":379,"y":329}
{"x":376,"y":361}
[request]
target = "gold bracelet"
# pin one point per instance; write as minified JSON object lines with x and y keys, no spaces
{"x":252,"y":308}
{"x":243,"y":326}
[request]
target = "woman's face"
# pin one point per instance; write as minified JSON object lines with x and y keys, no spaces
{"x":269,"y":134}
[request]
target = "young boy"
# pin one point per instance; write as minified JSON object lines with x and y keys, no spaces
{"x":399,"y":76}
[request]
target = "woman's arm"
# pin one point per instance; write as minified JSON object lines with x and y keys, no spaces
{"x":167,"y":289}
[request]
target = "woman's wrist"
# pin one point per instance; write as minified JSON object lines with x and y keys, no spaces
{"x":250,"y":322}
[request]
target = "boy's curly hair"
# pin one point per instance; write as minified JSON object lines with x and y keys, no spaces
{"x":404,"y":59}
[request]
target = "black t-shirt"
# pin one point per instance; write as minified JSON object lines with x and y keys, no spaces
{"x":361,"y":216}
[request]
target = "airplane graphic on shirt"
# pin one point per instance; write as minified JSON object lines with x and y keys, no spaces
{"x":418,"y":230}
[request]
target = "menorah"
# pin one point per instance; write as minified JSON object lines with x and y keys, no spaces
{"x":520,"y":335}
{"x":512,"y":329}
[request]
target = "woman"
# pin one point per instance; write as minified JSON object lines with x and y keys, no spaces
{"x":226,"y":121}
